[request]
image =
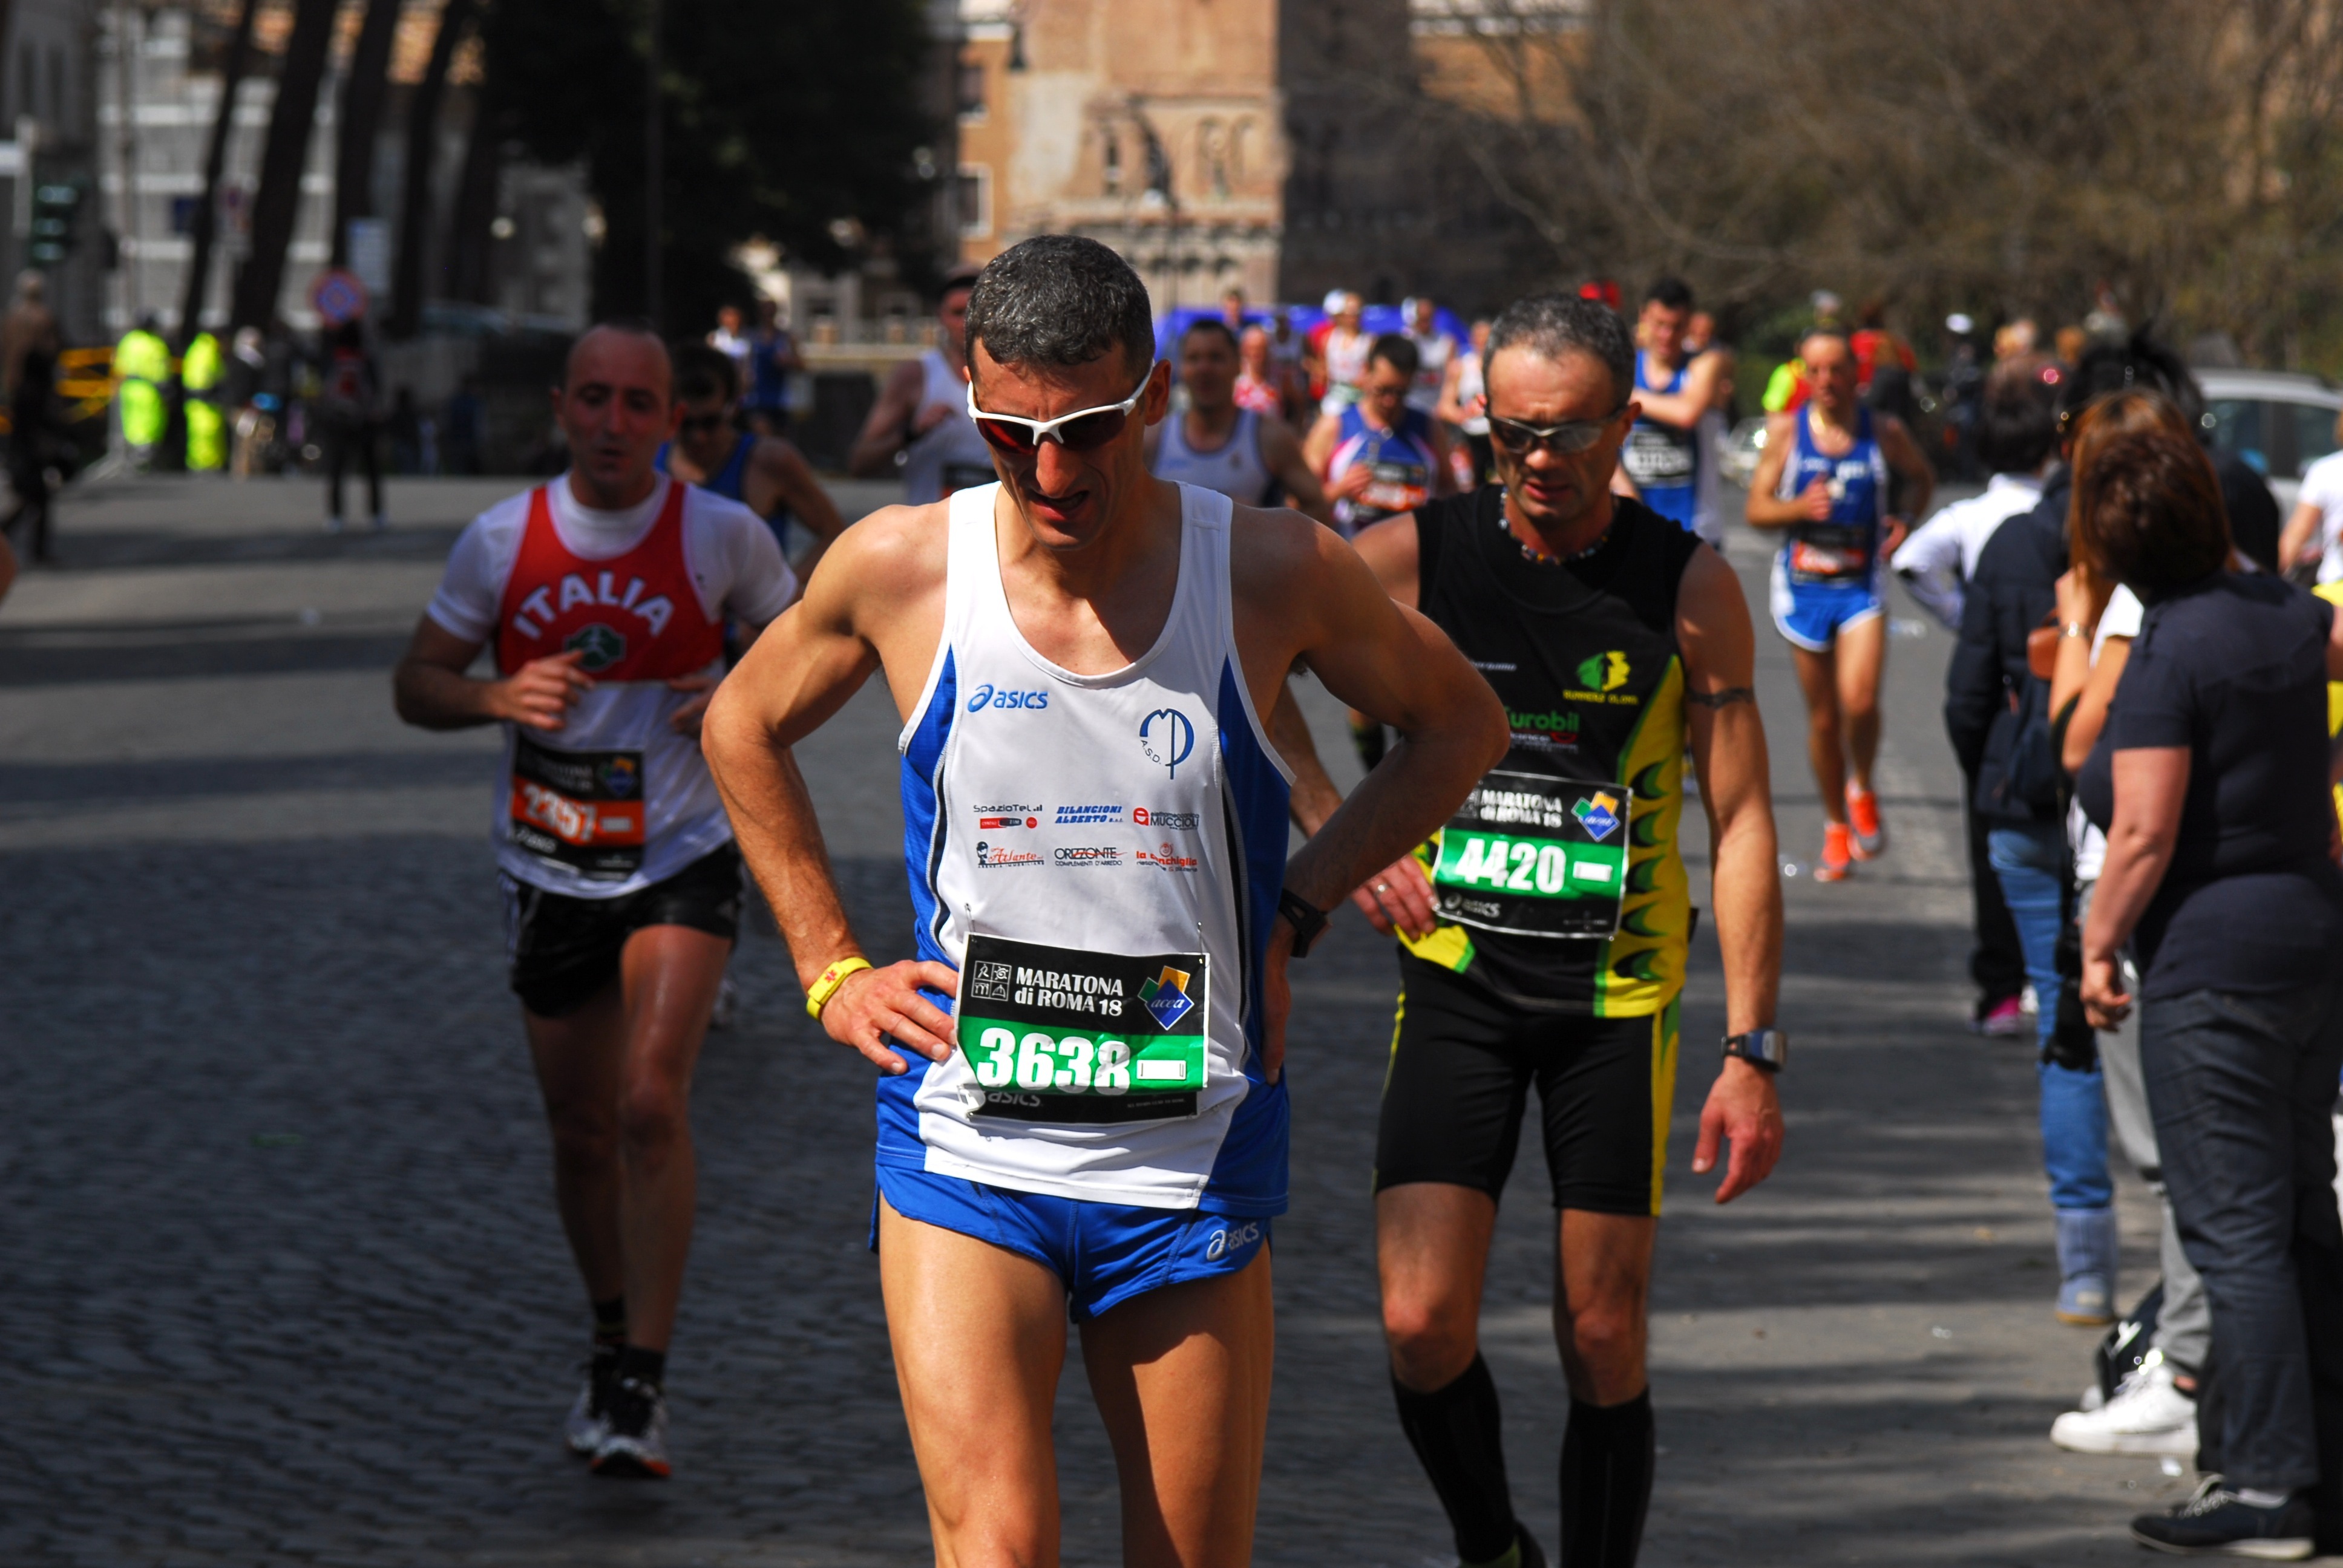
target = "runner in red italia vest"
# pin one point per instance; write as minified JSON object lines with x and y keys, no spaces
{"x":604,"y":594}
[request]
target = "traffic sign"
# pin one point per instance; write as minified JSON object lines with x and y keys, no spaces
{"x":339,"y":296}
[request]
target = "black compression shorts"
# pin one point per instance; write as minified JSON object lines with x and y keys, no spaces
{"x":1462,"y":1066}
{"x":563,"y":949}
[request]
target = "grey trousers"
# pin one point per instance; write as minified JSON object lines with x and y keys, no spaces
{"x":2184,"y":1329}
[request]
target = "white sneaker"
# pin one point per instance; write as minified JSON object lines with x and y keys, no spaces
{"x":2147,"y":1415}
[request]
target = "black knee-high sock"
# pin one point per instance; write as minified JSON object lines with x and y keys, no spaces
{"x":1607,"y":1456}
{"x":1457,"y":1433}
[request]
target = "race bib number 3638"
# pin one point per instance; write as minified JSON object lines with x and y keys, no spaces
{"x":1535,"y":855}
{"x":1060,"y":1034}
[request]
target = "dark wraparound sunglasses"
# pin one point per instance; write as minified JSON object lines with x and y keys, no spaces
{"x":1562,"y":440}
{"x":1079,"y":431}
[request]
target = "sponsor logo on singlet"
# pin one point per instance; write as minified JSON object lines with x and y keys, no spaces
{"x":985,"y":697}
{"x":1597,"y":813}
{"x":1167,"y":859}
{"x":1088,"y":816}
{"x":990,"y":856}
{"x":1599,"y":678}
{"x":1088,"y":855}
{"x":1553,"y":731}
{"x":602,"y":645}
{"x":1167,"y":737}
{"x":1171,"y":822}
{"x":993,"y":824}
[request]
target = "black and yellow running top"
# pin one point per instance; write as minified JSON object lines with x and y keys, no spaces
{"x":1559,"y":883}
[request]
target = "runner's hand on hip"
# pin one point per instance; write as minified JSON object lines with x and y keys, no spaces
{"x":1398,"y":897}
{"x":1744,"y":1108}
{"x":876,"y":1006}
{"x":540,"y":694}
{"x":685,"y":720}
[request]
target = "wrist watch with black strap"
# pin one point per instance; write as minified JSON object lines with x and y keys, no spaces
{"x":1767,"y":1048}
{"x":1307,"y":919}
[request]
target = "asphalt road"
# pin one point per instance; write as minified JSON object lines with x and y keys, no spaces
{"x":283,"y":1279}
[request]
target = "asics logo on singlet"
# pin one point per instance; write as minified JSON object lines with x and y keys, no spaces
{"x":986,"y":697}
{"x":1231,"y":1239}
{"x":1169,"y":738}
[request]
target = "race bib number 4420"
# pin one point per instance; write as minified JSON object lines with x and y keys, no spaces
{"x":1060,"y":1034}
{"x":1535,"y":855}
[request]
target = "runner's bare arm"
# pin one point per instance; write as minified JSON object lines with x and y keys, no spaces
{"x":1767,"y":510}
{"x":1448,"y":410}
{"x":2294,"y":542}
{"x":1305,"y":596}
{"x":1280,"y":453}
{"x":431,"y":691}
{"x":1318,"y":447}
{"x":1444,"y":472}
{"x":1728,"y":755}
{"x":875,"y":602}
{"x":787,"y":476}
{"x":884,"y":433}
{"x":1399,"y":897}
{"x":1684,"y":408}
{"x":1909,"y":465}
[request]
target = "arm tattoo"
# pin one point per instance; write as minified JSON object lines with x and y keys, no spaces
{"x":1722,"y":699}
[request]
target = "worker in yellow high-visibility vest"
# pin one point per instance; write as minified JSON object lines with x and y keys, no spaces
{"x":141,"y":364}
{"x":200,"y":371}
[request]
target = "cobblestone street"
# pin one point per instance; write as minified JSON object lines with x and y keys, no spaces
{"x":285,"y":1283}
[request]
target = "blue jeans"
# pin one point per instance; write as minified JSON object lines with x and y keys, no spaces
{"x":2074,"y":1104}
{"x":2240,"y":1088}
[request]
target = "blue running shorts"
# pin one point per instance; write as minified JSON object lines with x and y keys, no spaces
{"x":1811,"y":615}
{"x":1106,"y":1253}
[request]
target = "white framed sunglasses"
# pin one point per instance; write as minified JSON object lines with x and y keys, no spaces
{"x":1081,"y":431}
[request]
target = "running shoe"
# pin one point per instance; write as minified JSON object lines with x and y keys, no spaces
{"x":2147,"y":1415}
{"x":1863,"y":816}
{"x":590,"y":1418}
{"x":2003,"y":1019}
{"x":2218,"y":1522}
{"x":636,"y":1443}
{"x":1837,"y":863}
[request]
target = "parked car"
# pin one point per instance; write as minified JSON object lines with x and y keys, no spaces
{"x":2278,"y":421}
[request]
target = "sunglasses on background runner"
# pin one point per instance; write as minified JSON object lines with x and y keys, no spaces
{"x":1562,"y":440}
{"x":704,"y":424}
{"x":1083,"y":430}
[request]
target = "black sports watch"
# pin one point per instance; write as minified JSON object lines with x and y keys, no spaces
{"x":1767,"y":1048}
{"x":1306,"y":917}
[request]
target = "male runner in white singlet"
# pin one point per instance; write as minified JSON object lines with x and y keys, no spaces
{"x":1096,"y":833}
{"x":920,"y":425}
{"x":1253,"y":460}
{"x":604,"y":594}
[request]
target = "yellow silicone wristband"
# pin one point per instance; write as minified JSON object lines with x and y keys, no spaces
{"x":827,"y":985}
{"x":818,"y":995}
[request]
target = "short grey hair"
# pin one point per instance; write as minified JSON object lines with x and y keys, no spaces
{"x":1552,"y":325}
{"x":1061,"y":299}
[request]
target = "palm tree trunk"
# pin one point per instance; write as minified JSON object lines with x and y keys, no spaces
{"x":360,"y":119}
{"x":422,"y":144}
{"x":278,"y":200}
{"x":207,"y":217}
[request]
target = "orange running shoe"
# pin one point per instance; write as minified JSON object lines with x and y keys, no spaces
{"x":1837,"y":863}
{"x":1863,"y":816}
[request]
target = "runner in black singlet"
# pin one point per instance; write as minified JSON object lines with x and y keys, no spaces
{"x":1545,"y":928}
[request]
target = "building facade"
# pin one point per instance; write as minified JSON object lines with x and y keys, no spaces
{"x":1279,"y":146}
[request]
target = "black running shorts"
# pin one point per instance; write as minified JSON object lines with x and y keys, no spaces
{"x":1462,"y":1065}
{"x":563,"y":949}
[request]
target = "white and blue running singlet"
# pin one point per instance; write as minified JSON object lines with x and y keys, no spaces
{"x":1664,"y":460}
{"x":1826,"y":576}
{"x":1100,"y":857}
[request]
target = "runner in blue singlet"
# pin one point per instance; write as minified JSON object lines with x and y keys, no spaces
{"x":1378,"y":457}
{"x":1825,"y":477}
{"x":1665,"y":455}
{"x":764,"y":473}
